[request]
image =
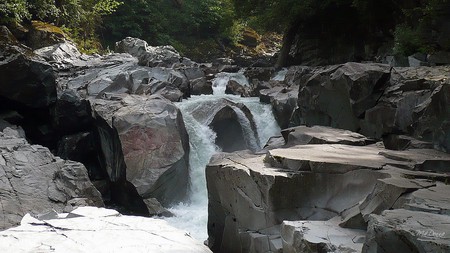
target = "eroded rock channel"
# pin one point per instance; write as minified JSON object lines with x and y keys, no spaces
{"x":361,"y":164}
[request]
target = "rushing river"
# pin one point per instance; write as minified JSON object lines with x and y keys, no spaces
{"x":193,"y":216}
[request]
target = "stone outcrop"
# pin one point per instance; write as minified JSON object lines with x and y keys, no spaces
{"x":338,"y":96}
{"x":320,"y":236}
{"x":150,"y":134}
{"x":375,"y":100}
{"x":416,"y":103}
{"x":87,"y":229}
{"x":332,"y":186}
{"x":323,"y":135}
{"x":161,"y":56}
{"x":283,"y":101}
{"x":402,"y":230}
{"x":232,"y":122}
{"x":33,"y":180}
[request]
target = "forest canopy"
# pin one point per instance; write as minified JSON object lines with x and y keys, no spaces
{"x":190,"y":25}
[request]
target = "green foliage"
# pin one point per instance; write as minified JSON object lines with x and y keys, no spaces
{"x":13,"y":11}
{"x":407,"y":40}
{"x":80,"y":18}
{"x":171,"y":22}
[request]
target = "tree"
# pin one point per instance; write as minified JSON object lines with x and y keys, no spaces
{"x":13,"y":11}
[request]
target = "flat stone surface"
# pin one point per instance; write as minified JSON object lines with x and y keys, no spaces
{"x":96,"y":230}
{"x":337,"y":158}
{"x":434,"y":200}
{"x":405,"y":231}
{"x":323,"y":135}
{"x":320,"y":236}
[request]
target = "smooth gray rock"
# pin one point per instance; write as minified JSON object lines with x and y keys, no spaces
{"x":317,"y":182}
{"x":33,"y":180}
{"x":323,"y":135}
{"x":161,"y":56}
{"x":245,"y":194}
{"x":339,"y":95}
{"x":284,"y":102}
{"x":89,"y":229}
{"x":154,"y":143}
{"x":407,"y":231}
{"x":320,"y":236}
{"x":415,"y":104}
{"x":232,"y":122}
{"x":434,"y":199}
{"x":62,"y":55}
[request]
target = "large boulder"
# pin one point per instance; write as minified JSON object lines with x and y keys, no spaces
{"x":153,"y":141}
{"x":33,"y":180}
{"x":284,"y":102}
{"x":88,"y":229}
{"x":41,"y":34}
{"x":417,"y":103}
{"x":317,"y":182}
{"x":232,"y":122}
{"x":338,"y":96}
{"x":161,"y":56}
{"x":24,"y":76}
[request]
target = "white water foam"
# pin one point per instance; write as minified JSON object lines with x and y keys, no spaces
{"x":193,"y":216}
{"x":219,"y":83}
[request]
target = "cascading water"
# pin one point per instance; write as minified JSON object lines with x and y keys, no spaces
{"x":280,"y":75}
{"x":193,"y":216}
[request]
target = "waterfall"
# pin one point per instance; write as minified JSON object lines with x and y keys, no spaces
{"x":192,"y":217}
{"x":280,"y":75}
{"x":219,"y":83}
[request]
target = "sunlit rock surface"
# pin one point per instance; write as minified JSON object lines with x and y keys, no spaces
{"x":251,"y":194}
{"x":90,"y":229}
{"x":320,"y":236}
{"x":405,"y":231}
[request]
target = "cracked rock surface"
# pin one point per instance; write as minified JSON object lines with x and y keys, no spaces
{"x":33,"y":180}
{"x":332,"y":189}
{"x":91,"y":229}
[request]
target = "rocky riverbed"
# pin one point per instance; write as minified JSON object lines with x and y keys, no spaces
{"x":361,"y":164}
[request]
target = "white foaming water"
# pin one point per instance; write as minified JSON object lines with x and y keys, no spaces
{"x":219,"y":83}
{"x":280,"y":75}
{"x":193,"y":216}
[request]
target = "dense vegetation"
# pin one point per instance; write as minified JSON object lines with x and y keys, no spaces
{"x":362,"y":28}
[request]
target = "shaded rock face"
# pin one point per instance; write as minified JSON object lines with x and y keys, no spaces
{"x":33,"y":180}
{"x":338,"y":96}
{"x":233,"y":123}
{"x":230,"y":136}
{"x":376,"y":100}
{"x":42,"y":34}
{"x":417,"y":104}
{"x":154,"y":143}
{"x":37,"y":80}
{"x":336,"y":187}
{"x":27,"y":90}
{"x":97,"y":229}
{"x":284,"y":102}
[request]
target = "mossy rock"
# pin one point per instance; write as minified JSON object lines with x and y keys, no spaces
{"x":42,"y":34}
{"x":250,"y":38}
